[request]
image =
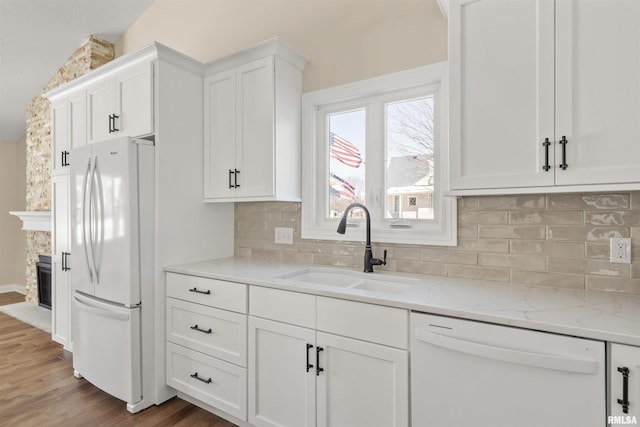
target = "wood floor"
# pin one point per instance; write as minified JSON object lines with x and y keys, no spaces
{"x":37,"y":387}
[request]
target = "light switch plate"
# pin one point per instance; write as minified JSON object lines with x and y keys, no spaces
{"x":284,"y":235}
{"x":620,"y":248}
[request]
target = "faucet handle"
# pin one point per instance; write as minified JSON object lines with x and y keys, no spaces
{"x":378,"y":261}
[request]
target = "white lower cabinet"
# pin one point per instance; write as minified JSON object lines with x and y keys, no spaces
{"x":362,"y":384}
{"x":301,"y":360}
{"x":302,"y":376}
{"x":206,"y":333}
{"x":60,"y":246}
{"x":213,"y":381}
{"x":282,"y":375}
{"x":624,"y":384}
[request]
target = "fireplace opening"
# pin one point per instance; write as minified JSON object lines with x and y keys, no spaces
{"x":43,"y":272}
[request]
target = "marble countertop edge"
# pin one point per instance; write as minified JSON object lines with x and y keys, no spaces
{"x":605,"y":316}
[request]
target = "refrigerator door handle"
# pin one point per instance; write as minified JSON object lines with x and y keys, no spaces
{"x":545,"y":361}
{"x":84,"y":224}
{"x":99,"y":220}
{"x":92,"y":219}
{"x":100,"y":309}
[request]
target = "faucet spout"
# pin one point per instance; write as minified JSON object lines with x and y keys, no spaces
{"x":369,"y":260}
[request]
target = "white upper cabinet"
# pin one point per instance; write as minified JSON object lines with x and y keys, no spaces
{"x":122,"y":104}
{"x":59,"y":136}
{"x":527,"y":76}
{"x":68,"y":129}
{"x":598,"y":91}
{"x":252,"y":125}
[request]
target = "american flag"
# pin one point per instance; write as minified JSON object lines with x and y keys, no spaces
{"x":344,"y":151}
{"x":344,"y":189}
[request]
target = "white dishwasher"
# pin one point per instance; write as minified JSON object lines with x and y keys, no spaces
{"x":472,"y":374}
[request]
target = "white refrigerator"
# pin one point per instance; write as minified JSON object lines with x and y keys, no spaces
{"x":112,"y":248}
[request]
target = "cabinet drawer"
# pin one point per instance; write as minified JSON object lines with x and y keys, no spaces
{"x":369,"y":322}
{"x":214,"y":382}
{"x":211,"y":292}
{"x":215,"y":332}
{"x":284,"y":306}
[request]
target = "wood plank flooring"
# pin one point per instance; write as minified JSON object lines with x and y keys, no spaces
{"x":37,"y":387}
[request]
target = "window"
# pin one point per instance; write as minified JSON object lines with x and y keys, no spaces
{"x":381,"y":142}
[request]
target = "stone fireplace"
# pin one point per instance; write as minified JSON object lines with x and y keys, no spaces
{"x":90,"y":55}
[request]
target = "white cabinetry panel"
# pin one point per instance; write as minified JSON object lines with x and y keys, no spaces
{"x":544,"y":96}
{"x":282,"y":390}
{"x":213,"y":381}
{"x":598,"y":91}
{"x":252,"y":125}
{"x":501,"y":65}
{"x":362,"y":384}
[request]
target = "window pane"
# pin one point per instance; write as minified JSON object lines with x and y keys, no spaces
{"x":346,"y":151}
{"x":409,"y":159}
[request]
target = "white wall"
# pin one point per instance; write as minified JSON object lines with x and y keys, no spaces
{"x":12,"y":198}
{"x":344,"y":40}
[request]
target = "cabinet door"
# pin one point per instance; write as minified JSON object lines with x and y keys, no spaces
{"x":101,"y":99}
{"x":598,"y":91}
{"x":255,"y":132}
{"x":281,"y":385}
{"x":220,"y":134}
{"x":501,"y":60}
{"x":60,"y":281}
{"x":77,"y":106}
{"x":134,"y":101}
{"x":624,"y":358}
{"x":59,"y":135}
{"x":362,"y":384}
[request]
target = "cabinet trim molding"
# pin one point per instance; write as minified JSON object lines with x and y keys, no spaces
{"x":150,"y":52}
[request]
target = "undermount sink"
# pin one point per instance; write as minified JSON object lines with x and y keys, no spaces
{"x":382,"y":286}
{"x":331,"y":277}
{"x":321,"y":276}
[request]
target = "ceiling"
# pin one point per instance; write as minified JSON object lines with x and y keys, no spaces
{"x":37,"y":37}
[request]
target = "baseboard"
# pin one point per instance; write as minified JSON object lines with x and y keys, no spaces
{"x":12,"y":288}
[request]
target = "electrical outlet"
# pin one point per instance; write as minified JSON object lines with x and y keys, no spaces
{"x":620,"y":250}
{"x":284,"y":235}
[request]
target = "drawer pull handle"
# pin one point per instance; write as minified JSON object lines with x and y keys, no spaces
{"x":199,"y":378}
{"x":198,"y":291}
{"x":204,"y":331}
{"x":624,"y":402}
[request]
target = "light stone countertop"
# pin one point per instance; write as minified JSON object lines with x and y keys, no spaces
{"x":604,"y":316}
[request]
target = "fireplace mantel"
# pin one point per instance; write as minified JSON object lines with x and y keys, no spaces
{"x":34,"y":220}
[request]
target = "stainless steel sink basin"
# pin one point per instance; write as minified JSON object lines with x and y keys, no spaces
{"x":347,"y":279}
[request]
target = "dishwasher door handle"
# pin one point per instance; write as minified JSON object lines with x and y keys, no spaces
{"x":546,"y":361}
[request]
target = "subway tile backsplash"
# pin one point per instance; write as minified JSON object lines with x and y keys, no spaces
{"x":559,"y":240}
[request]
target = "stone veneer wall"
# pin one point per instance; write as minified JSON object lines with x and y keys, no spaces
{"x":559,"y":240}
{"x":91,"y":54}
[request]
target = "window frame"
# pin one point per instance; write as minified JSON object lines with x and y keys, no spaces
{"x":421,"y":81}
